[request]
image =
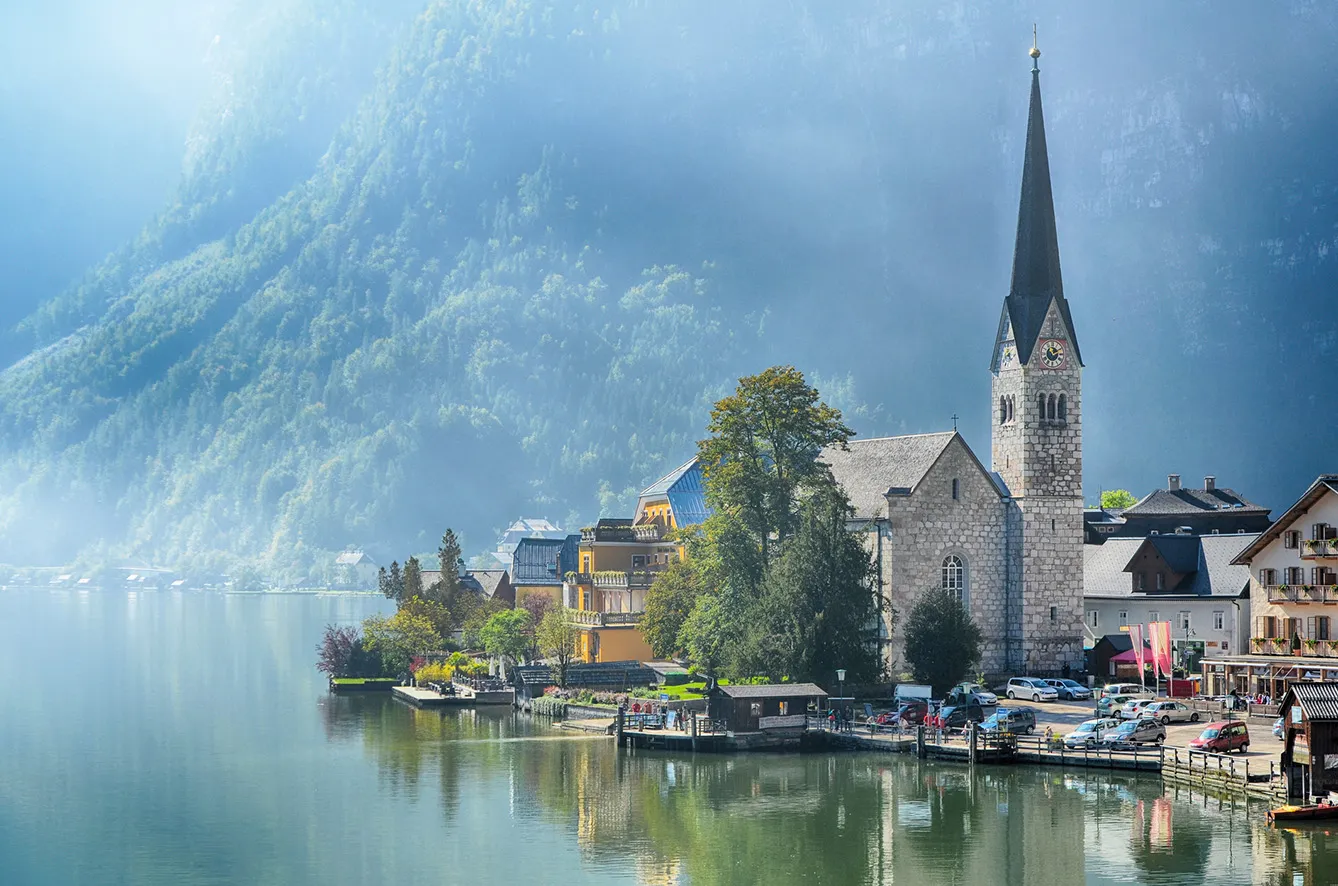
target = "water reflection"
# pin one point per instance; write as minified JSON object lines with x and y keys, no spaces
{"x":827,"y":819}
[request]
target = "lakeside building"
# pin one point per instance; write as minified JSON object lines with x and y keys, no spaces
{"x":1207,"y":511}
{"x":1293,"y":568}
{"x":619,"y":558}
{"x":539,"y":564}
{"x":1189,"y":580}
{"x":1007,"y":540}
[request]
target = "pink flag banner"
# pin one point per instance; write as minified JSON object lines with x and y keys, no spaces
{"x":1160,"y":634}
{"x":1136,"y":637}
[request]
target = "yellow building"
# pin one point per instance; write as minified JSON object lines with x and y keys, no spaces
{"x":619,"y":558}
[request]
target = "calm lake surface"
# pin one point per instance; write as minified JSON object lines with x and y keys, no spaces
{"x":167,"y":738}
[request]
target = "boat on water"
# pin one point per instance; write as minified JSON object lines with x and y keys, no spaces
{"x":1319,"y":812}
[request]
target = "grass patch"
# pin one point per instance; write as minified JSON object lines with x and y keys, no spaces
{"x":362,"y":681}
{"x":684,"y":691}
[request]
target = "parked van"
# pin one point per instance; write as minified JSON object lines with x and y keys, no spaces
{"x":1135,"y":689}
{"x":1015,"y":721}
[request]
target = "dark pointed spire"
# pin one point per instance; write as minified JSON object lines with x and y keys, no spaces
{"x":1036,"y":278}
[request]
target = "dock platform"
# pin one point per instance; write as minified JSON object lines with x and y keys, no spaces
{"x":465,"y":697}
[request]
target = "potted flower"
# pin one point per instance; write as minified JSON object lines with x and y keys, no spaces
{"x":1310,"y":544}
{"x":1311,"y":646}
{"x":1257,"y":643}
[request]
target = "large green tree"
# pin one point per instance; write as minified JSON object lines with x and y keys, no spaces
{"x":761,"y":450}
{"x":413,"y":579}
{"x":942,"y":642}
{"x":399,"y":638}
{"x":816,"y":611}
{"x":506,"y":634}
{"x":668,"y":604}
{"x":707,"y":633}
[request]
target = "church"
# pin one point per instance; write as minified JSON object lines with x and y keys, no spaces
{"x":1006,"y":540}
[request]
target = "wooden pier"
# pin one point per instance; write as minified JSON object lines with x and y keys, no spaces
{"x":464,"y":697}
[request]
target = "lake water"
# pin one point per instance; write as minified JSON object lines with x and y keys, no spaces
{"x":166,"y":738}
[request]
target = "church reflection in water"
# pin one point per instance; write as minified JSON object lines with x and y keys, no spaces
{"x":820,"y":818}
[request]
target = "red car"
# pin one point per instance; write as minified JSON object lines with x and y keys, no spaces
{"x":1223,"y":737}
{"x":912,"y":711}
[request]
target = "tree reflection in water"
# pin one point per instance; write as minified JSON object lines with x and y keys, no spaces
{"x":844,"y":818}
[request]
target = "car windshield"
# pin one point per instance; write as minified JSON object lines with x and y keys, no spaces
{"x":1127,"y":727}
{"x":1210,"y":733}
{"x":1089,"y":726}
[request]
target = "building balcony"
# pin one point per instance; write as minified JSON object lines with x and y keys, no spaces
{"x":1283,"y":647}
{"x":1317,"y":549}
{"x":1302,"y":593}
{"x":605,"y":619}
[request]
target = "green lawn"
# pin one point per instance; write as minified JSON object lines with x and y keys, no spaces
{"x":687,"y":691}
{"x":362,"y":681}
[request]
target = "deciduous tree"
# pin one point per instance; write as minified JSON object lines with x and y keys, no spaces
{"x":1118,"y":499}
{"x":506,"y":635}
{"x":762,"y":450}
{"x":668,"y":604}
{"x":399,"y":638}
{"x":557,"y":638}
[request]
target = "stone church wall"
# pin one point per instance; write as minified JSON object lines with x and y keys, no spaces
{"x":929,"y":525}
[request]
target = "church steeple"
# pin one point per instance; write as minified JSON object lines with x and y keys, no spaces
{"x":1036,"y":278}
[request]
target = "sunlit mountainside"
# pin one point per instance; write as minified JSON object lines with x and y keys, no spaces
{"x":445,"y":266}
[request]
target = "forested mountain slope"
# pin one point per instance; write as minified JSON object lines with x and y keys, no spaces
{"x":447,"y":265}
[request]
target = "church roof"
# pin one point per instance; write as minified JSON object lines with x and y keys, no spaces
{"x":1036,"y":279}
{"x":868,"y":470}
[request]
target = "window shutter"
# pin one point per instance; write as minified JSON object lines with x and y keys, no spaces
{"x":1311,"y":628}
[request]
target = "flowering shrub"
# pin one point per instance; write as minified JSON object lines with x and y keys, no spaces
{"x":585,"y":696}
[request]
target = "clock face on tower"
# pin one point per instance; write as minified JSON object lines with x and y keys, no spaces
{"x":1052,"y":354}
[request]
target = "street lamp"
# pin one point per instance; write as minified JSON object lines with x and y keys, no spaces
{"x":841,"y":680}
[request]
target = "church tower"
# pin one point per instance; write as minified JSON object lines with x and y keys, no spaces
{"x":1037,"y":429}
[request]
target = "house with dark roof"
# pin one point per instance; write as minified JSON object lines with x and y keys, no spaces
{"x":779,"y":706}
{"x":539,"y":564}
{"x":1294,"y":578}
{"x":491,"y":584}
{"x":1212,"y":509}
{"x":1005,"y":540}
{"x":1189,"y":580}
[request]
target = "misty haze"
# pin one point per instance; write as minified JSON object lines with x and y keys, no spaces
{"x":326,"y":323}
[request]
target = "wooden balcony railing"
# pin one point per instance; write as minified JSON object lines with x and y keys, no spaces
{"x":1302,"y":593}
{"x":605,"y":619}
{"x":1319,"y":549}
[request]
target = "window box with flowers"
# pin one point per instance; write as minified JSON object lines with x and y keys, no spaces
{"x":1311,"y":646}
{"x":1257,"y":643}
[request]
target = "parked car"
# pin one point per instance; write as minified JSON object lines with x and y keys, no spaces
{"x":1070,"y":690}
{"x":1171,"y":712}
{"x":1109,"y":705}
{"x":977,"y":693}
{"x":1144,"y":730}
{"x":1222,"y":737}
{"x":1032,"y":688}
{"x":1014,"y":721}
{"x":1133,"y":708}
{"x":912,"y":711}
{"x":1137,"y":689}
{"x":956,"y":716}
{"x":1090,"y":732}
{"x":1278,"y":730}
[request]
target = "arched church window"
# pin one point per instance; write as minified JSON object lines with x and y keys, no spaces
{"x":1009,"y":405}
{"x":1063,"y":408}
{"x":954,"y":577}
{"x":1003,"y":410}
{"x":1050,"y":409}
{"x":1040,"y":406}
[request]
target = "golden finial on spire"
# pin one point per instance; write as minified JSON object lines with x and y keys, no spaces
{"x":1035,"y":52}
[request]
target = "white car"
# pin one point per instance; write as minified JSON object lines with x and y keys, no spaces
{"x":1133,"y":709}
{"x":1033,"y":688}
{"x":1090,"y":732}
{"x":1166,"y":712}
{"x":1137,"y":689}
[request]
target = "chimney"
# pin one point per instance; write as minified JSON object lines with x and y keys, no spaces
{"x":1173,"y":482}
{"x":1209,"y":483}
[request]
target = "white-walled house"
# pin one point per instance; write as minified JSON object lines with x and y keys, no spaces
{"x":1186,"y":579}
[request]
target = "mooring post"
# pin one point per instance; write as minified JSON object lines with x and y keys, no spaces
{"x":920,"y":742}
{"x":619,"y":719}
{"x":975,"y":742}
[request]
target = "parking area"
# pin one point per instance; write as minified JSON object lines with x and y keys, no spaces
{"x":1065,"y":716}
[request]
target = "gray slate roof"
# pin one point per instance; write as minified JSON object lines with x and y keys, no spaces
{"x":1169,"y":502}
{"x":773,"y":690}
{"x":1318,"y":700}
{"x":869,"y":468}
{"x":487,"y":580}
{"x":1103,"y":572}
